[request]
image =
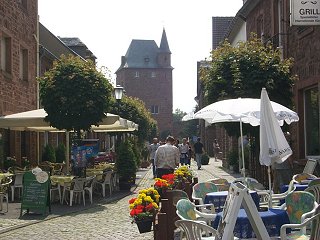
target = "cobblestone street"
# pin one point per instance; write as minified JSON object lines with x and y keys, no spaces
{"x":106,"y":221}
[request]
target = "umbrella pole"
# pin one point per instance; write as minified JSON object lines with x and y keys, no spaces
{"x":270,"y":187}
{"x":67,"y":152}
{"x":242,"y":150}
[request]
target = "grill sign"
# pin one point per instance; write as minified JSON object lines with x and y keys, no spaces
{"x":305,"y":13}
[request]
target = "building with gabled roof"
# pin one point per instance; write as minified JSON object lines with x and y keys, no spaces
{"x":146,"y":73}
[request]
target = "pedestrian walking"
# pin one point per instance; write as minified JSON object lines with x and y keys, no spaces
{"x":152,"y":150}
{"x":189,"y":154}
{"x":216,"y":149}
{"x":167,"y":157}
{"x":198,"y":151}
{"x":184,"y":149}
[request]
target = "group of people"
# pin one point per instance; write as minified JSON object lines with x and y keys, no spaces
{"x":166,"y":157}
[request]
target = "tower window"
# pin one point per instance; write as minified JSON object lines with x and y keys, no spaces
{"x":154,"y":109}
{"x":153,"y":74}
{"x":136,"y":74}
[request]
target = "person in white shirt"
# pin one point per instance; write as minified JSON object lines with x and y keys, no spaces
{"x":184,"y":150}
{"x":167,"y":157}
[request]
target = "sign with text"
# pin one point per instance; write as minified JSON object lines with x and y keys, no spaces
{"x":35,"y":195}
{"x":305,"y":13}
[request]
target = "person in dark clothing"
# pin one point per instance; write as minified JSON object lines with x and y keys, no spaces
{"x":198,"y":151}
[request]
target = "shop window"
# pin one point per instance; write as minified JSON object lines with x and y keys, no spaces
{"x":312,"y":122}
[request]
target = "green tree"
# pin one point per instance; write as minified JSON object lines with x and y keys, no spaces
{"x":183,"y":128}
{"x":244,"y":70}
{"x":74,"y":94}
{"x":134,"y":110}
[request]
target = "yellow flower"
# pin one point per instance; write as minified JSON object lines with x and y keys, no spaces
{"x":148,"y":199}
{"x":131,"y":206}
{"x":155,"y":205}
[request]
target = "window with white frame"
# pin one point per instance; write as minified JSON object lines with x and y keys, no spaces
{"x":153,"y":74}
{"x":5,"y":51}
{"x":154,"y":109}
{"x":312,"y":121}
{"x":23,"y":64}
{"x":136,"y":74}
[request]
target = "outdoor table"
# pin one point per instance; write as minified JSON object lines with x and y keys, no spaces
{"x":273,"y":219}
{"x":61,"y":179}
{"x":90,"y":172}
{"x":218,"y":199}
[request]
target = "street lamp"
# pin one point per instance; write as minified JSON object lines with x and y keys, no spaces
{"x":118,"y":92}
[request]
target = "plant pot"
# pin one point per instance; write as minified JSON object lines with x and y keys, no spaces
{"x":144,"y":225}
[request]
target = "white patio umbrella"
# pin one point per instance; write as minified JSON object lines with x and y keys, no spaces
{"x":241,"y":110}
{"x":273,"y":144}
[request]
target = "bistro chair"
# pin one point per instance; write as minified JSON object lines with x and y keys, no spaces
{"x":310,"y":166}
{"x":106,"y":180}
{"x":88,"y":187}
{"x":75,"y":188}
{"x":55,"y":187}
{"x":201,"y":189}
{"x":221,"y":183}
{"x":4,"y":186}
{"x":196,"y":230}
{"x":301,"y":234}
{"x":314,"y":188}
{"x":186,"y":210}
{"x":299,"y":205}
{"x":17,"y":183}
{"x":303,"y":177}
{"x":177,"y":195}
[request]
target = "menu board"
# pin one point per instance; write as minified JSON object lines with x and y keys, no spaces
{"x":35,"y":195}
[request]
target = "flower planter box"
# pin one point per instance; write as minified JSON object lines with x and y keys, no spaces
{"x":144,"y":225}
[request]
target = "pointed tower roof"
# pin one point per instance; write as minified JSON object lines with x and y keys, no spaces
{"x":164,"y":46}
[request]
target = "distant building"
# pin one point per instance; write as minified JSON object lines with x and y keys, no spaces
{"x":79,"y":47}
{"x":146,"y":73}
{"x":220,"y":26}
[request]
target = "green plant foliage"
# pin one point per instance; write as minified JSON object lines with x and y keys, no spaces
{"x":244,"y":70}
{"x":186,"y":128}
{"x":134,"y":110}
{"x":60,"y":153}
{"x":205,"y":159}
{"x":74,"y":94}
{"x":125,"y":164}
{"x":49,"y":154}
{"x":233,"y":158}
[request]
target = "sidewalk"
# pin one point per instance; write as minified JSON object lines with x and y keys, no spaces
{"x":107,"y":219}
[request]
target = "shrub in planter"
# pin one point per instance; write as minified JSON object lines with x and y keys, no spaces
{"x":60,"y":153}
{"x":125,"y":163}
{"x":205,"y":159}
{"x":232,"y":157}
{"x":49,"y":154}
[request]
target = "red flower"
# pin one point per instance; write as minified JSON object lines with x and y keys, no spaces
{"x":149,"y":207}
{"x":132,"y":200}
{"x":140,"y":207}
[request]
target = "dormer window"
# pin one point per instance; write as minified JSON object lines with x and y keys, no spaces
{"x":146,"y":59}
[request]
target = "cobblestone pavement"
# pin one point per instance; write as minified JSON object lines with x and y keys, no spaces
{"x":106,"y":221}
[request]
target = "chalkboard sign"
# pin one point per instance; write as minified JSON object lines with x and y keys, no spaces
{"x":36,"y":192}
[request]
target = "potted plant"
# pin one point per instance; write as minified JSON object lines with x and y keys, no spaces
{"x":232,"y":157}
{"x":143,"y":209}
{"x":205,"y":159}
{"x":126,"y":165}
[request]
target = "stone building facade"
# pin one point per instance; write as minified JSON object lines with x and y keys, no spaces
{"x":18,"y":69}
{"x":146,"y":73}
{"x":271,"y":21}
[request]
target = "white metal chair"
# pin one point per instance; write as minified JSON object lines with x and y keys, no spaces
{"x":196,"y":230}
{"x":310,"y":166}
{"x":17,"y":183}
{"x":315,"y":229}
{"x":89,"y":187}
{"x":303,"y":177}
{"x":106,"y":180}
{"x":76,"y":187}
{"x":55,"y":187}
{"x":186,"y":210}
{"x":4,"y":186}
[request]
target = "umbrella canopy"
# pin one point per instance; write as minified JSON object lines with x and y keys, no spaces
{"x":188,"y":117}
{"x":273,"y":144}
{"x":245,"y":110}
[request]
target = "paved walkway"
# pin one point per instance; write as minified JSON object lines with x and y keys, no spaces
{"x":103,"y":221}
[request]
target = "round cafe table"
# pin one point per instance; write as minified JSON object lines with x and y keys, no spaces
{"x":4,"y":175}
{"x":218,"y":199}
{"x":273,"y":219}
{"x":61,"y":179}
